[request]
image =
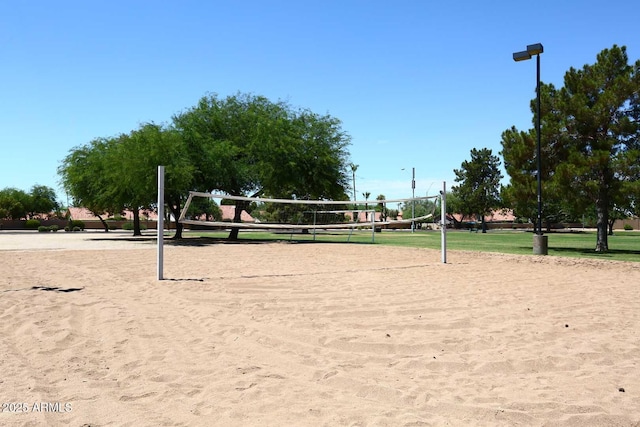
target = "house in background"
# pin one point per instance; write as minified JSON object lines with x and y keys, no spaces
{"x":229,"y":211}
{"x":82,"y":214}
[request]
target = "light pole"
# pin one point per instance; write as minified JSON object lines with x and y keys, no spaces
{"x":354,"y":168}
{"x":413,"y":196}
{"x":540,"y":243}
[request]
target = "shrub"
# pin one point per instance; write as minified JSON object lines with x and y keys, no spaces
{"x":67,"y":228}
{"x":54,"y":227}
{"x":628,"y":227}
{"x":76,"y":223}
{"x":43,"y":229}
{"x":32,"y":223}
{"x":128,"y":226}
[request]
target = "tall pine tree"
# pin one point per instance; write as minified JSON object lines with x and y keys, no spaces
{"x":590,"y":141}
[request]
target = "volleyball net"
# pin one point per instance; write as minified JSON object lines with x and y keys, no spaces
{"x":306,"y":215}
{"x":316,"y":215}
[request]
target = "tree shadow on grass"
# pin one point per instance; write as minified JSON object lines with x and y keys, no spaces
{"x":586,"y":253}
{"x":591,"y":253}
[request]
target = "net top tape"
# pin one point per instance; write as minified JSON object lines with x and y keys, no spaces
{"x":305,"y":202}
{"x":365,"y":224}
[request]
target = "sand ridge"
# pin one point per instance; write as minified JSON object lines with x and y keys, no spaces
{"x":314,"y":334}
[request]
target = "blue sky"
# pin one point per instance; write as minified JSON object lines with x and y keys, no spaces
{"x":417,"y":84}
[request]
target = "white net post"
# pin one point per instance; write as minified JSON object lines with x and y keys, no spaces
{"x":314,"y":223}
{"x":160,"y":222}
{"x":373,"y":226}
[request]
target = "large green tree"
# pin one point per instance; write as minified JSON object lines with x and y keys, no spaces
{"x":420,"y":208}
{"x":454,"y":206}
{"x":42,"y":201}
{"x":139,"y":154}
{"x":520,"y":194}
{"x":87,"y":175}
{"x":108,"y":175}
{"x":590,"y":141}
{"x":14,"y":203}
{"x":478,"y":191}
{"x":240,"y":145}
{"x":247,"y":145}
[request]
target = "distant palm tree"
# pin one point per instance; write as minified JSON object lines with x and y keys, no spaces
{"x":383,"y":206}
{"x":354,"y":168}
{"x":366,"y":195}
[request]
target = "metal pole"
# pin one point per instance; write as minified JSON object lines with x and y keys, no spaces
{"x":373,"y":227}
{"x":160,"y":222}
{"x":355,"y":205}
{"x":540,"y":242}
{"x":443,"y":216}
{"x":538,"y":148}
{"x":413,"y":195}
{"x":354,"y":185}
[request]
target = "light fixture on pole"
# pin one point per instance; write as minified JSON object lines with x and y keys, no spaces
{"x":540,"y":243}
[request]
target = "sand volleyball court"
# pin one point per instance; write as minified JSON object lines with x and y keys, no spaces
{"x":277,"y":334}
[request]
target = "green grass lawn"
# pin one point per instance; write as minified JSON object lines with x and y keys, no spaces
{"x":623,"y":245}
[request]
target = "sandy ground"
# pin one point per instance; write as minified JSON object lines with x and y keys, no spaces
{"x":311,"y":335}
